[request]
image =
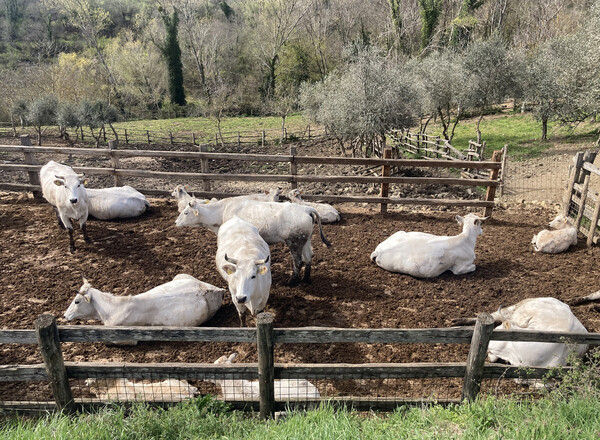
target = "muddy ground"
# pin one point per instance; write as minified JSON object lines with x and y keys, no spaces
{"x":38,"y":275}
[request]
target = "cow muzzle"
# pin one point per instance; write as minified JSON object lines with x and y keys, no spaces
{"x":73,"y":200}
{"x":241,"y":299}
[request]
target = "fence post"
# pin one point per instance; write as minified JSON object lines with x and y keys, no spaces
{"x":385,"y":172}
{"x":126,"y":138}
{"x":582,"y":200}
{"x":594,"y":222}
{"x":309,"y":132}
{"x":266,"y":366}
{"x":148,"y":136}
{"x":239,"y":140}
{"x":263,"y":138}
{"x":204,"y":168}
{"x":577,"y":164}
{"x":34,"y":177}
{"x":193,"y":138}
{"x":477,"y":353}
{"x":49,"y":343}
{"x":491,"y":190}
{"x":503,"y":170}
{"x":293,"y":166}
{"x":113,"y":145}
{"x":171,"y":137}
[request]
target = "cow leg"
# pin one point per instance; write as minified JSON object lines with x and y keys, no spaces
{"x":296,"y":254}
{"x":60,"y":223}
{"x":71,"y":240}
{"x":85,"y":236}
{"x":306,"y":278}
{"x":242,"y":317}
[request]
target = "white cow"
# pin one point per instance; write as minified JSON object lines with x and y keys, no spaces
{"x":183,"y":198}
{"x":536,"y":314}
{"x":243,"y":261}
{"x":276,"y":222}
{"x":124,"y":390}
{"x":327,"y":212}
{"x":563,"y":235}
{"x":183,"y":302}
{"x":116,"y":202}
{"x":243,"y":389}
{"x":65,"y":191}
{"x":426,"y":256}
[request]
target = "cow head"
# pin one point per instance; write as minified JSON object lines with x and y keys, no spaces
{"x":560,"y":222}
{"x":82,"y":306}
{"x":73,"y":185}
{"x":243,"y":277}
{"x":471,"y":223}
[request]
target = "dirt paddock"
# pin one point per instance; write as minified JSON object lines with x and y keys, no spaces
{"x":39,"y":275}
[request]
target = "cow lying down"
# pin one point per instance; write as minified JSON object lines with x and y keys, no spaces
{"x":426,"y":256}
{"x":183,"y":302}
{"x":116,"y":202}
{"x":534,"y":314}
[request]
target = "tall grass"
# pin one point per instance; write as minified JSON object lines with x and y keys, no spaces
{"x":487,"y":418}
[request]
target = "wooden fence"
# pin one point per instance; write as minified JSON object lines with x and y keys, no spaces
{"x":49,"y":337}
{"x":433,"y":147}
{"x":293,"y":160}
{"x":579,"y":192}
{"x":238,"y":138}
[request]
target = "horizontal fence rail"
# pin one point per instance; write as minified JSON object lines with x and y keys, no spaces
{"x":205,"y":176}
{"x":265,"y":338}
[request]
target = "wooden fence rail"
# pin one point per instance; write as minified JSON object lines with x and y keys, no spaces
{"x":205,"y":177}
{"x":49,"y":337}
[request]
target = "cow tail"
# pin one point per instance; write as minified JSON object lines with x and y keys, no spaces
{"x":317,"y":218}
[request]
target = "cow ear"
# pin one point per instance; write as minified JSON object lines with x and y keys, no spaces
{"x":58,"y":182}
{"x":87,"y":298}
{"x":228,"y":268}
{"x":263,"y":269}
{"x":85,"y":182}
{"x":459,"y":219}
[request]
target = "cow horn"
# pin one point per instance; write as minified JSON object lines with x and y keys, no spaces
{"x":59,"y":177}
{"x":231,"y":260}
{"x":263,"y":261}
{"x":80,"y":175}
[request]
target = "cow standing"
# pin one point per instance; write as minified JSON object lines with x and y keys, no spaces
{"x":65,"y":191}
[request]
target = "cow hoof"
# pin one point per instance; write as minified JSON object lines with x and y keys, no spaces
{"x":293,"y":282}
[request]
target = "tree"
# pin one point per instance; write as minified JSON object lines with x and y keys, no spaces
{"x":273,"y":22}
{"x":442,"y":79}
{"x":91,"y":20}
{"x":20,"y":110}
{"x":67,"y":115}
{"x":42,"y":112}
{"x":97,"y":114}
{"x":463,"y":25}
{"x":362,"y":101}
{"x":430,"y":14}
{"x":172,"y":53}
{"x":14,"y":11}
{"x":490,"y":76}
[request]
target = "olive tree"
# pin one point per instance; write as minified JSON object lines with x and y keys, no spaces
{"x":490,"y":76}
{"x":96,"y":115}
{"x":441,"y":79}
{"x":359,"y":103}
{"x":67,"y":115}
{"x":42,"y":112}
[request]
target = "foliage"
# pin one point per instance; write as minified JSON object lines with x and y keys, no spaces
{"x":488,"y":417}
{"x":97,"y":114}
{"x":172,"y":53}
{"x":430,"y":15}
{"x":42,"y":111}
{"x":362,"y":101}
{"x":67,"y":115}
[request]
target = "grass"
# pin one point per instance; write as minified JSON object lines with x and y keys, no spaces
{"x":487,"y":418}
{"x":521,"y":132}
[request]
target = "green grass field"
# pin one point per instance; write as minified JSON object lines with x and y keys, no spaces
{"x":488,"y":418}
{"x":520,"y":132}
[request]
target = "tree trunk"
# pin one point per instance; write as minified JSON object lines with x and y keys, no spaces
{"x":479,"y":131}
{"x":444,"y":125}
{"x":114,"y":131}
{"x":39,"y":131}
{"x":282,"y":128}
{"x":544,"y":128}
{"x":458,"y":115}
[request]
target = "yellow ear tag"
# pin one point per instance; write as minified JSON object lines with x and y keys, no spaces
{"x":87,"y":298}
{"x":85,"y":182}
{"x":58,"y":183}
{"x":506,"y":325}
{"x":263,"y":270}
{"x":229,"y":271}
